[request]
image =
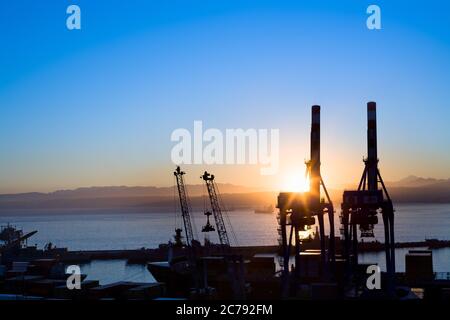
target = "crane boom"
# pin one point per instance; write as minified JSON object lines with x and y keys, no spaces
{"x":215,"y":207}
{"x":184,"y":206}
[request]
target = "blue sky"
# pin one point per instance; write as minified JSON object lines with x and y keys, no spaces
{"x":97,"y":106}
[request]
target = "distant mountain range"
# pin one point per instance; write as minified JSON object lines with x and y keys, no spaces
{"x":122,"y":191}
{"x":148,"y":198}
{"x":417,"y":189}
{"x":126,"y":198}
{"x":414,"y":181}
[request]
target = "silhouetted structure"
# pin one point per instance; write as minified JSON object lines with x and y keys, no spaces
{"x":360,"y":207}
{"x":297,"y":212}
{"x":216,"y":209}
{"x":184,"y":206}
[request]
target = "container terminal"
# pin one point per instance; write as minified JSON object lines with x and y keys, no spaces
{"x":323,"y":267}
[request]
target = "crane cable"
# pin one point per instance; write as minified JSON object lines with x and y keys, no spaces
{"x":191,"y":216}
{"x":175,"y":203}
{"x":226,"y":214}
{"x":205,"y":205}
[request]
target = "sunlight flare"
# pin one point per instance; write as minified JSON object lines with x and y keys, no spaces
{"x":295,"y":181}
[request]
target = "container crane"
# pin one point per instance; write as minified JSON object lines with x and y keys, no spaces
{"x":297,"y":212}
{"x":361,"y":206}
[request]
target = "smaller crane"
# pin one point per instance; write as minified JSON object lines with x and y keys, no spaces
{"x":184,"y":206}
{"x":216,"y":210}
{"x":235,"y":263}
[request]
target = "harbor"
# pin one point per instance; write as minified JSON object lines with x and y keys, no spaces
{"x":142,"y":256}
{"x":225,"y":159}
{"x":314,"y":264}
{"x":40,"y":283}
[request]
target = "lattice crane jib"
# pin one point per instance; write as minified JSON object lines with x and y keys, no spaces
{"x":184,"y":205}
{"x":216,"y":210}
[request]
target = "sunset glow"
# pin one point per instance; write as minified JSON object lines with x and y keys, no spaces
{"x":295,"y":182}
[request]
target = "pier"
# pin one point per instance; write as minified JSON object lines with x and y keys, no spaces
{"x":160,"y":254}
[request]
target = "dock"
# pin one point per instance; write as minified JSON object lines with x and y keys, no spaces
{"x":160,"y":254}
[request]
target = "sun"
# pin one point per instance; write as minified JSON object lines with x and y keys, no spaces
{"x":295,"y":181}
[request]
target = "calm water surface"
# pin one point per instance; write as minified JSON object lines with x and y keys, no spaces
{"x":90,"y":230}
